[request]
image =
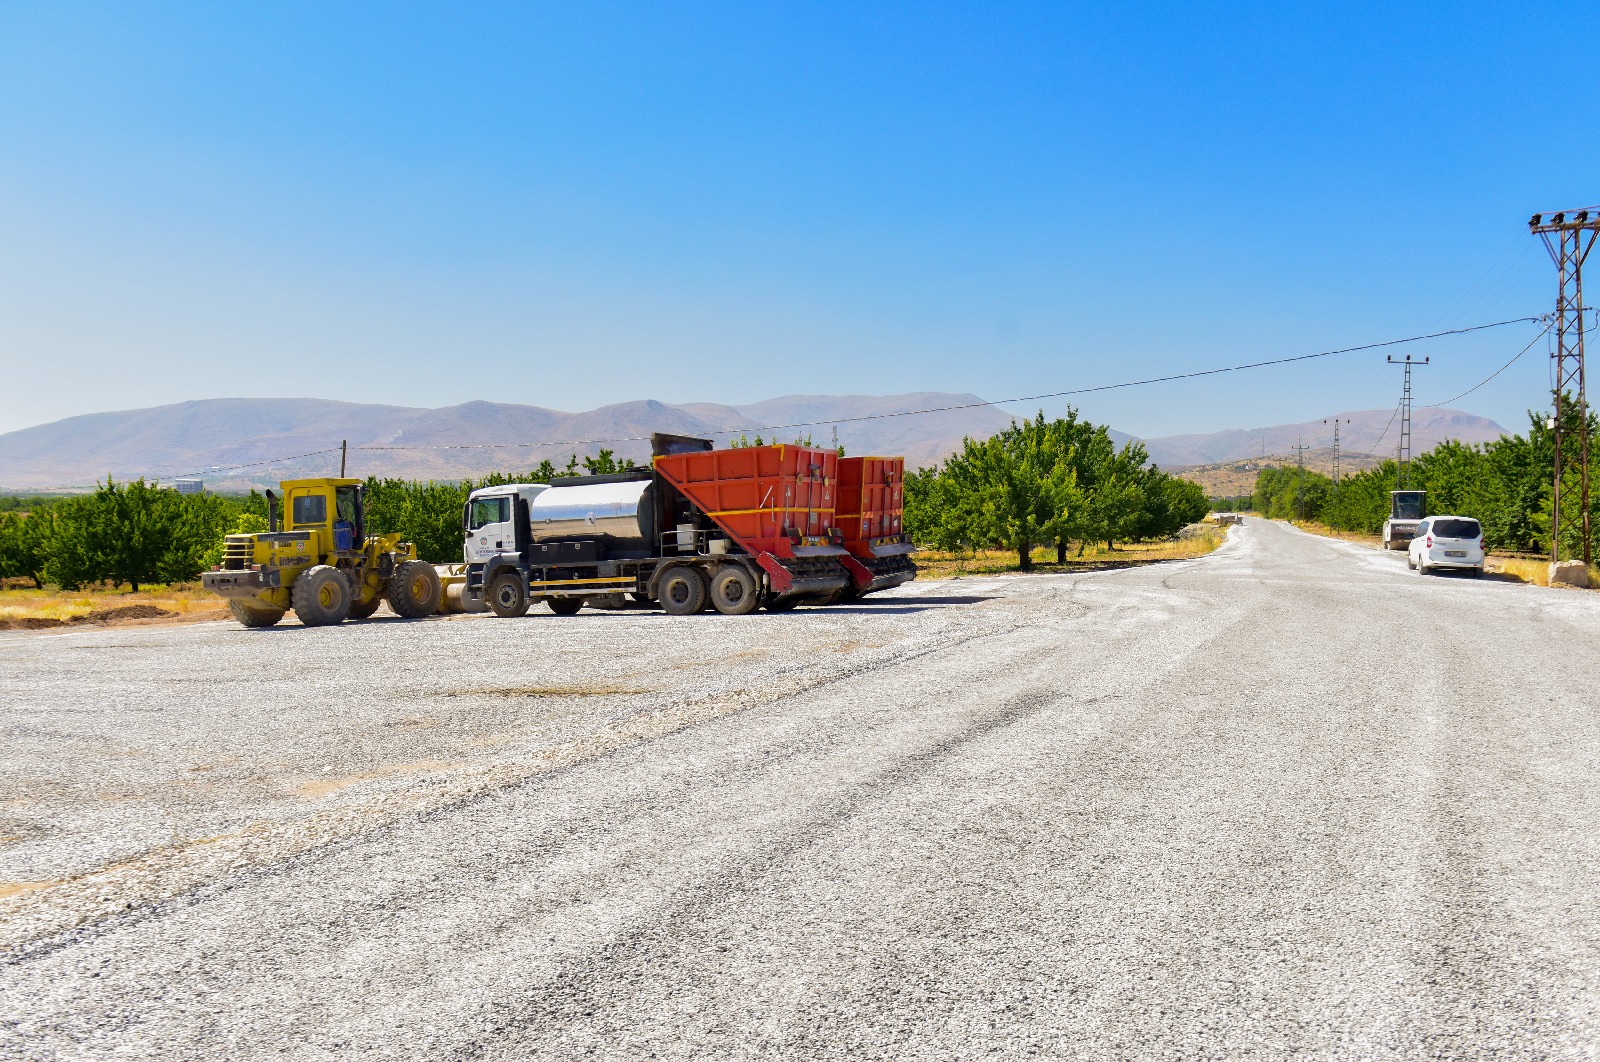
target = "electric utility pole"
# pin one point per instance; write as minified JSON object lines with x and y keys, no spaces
{"x":1300,"y":476}
{"x":1568,"y":236}
{"x":1403,"y":452}
{"x":1335,"y":422}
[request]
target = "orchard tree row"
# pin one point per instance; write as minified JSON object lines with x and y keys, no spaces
{"x":1047,"y":483}
{"x":1504,"y":484}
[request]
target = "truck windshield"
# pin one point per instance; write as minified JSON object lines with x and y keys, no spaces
{"x":1456,"y":529}
{"x":489,"y":511}
{"x":1407,"y":505}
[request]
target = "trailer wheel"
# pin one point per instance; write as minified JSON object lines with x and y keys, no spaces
{"x":250,"y":616}
{"x":321,"y":596}
{"x":681,"y":591}
{"x":414,"y":590}
{"x":734,"y":591}
{"x":565,"y":606}
{"x":506,"y":597}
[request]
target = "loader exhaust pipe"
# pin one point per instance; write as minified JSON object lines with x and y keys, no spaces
{"x":272,"y":511}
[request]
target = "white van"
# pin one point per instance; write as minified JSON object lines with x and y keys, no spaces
{"x":1447,"y":542}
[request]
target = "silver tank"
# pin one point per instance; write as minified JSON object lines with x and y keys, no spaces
{"x":621,"y":512}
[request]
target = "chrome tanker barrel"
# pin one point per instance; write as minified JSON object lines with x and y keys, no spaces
{"x":622,"y":513}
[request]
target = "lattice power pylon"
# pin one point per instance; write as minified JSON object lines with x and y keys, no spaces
{"x":1403,"y":451}
{"x":1335,"y":422}
{"x":1569,"y":236}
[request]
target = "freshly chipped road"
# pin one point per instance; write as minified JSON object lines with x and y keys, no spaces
{"x":1288,"y":799}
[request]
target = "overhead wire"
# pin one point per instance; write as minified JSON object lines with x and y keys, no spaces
{"x":1148,"y":381}
{"x":1515,"y":358}
{"x":996,"y":402}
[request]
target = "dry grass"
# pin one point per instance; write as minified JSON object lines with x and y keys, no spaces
{"x":936,"y":564}
{"x":188,"y":603}
{"x":1348,"y":536}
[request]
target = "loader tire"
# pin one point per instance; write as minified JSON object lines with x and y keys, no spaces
{"x":681,"y":591}
{"x":734,"y":591}
{"x":321,"y":596}
{"x":251,"y":616}
{"x":565,"y":606}
{"x":358,"y":611}
{"x":506,"y":597}
{"x":414,"y":590}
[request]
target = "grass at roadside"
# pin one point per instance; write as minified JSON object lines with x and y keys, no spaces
{"x":936,"y":564}
{"x":27,"y":608}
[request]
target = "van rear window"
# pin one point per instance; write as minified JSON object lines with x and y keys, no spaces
{"x":1456,"y":529}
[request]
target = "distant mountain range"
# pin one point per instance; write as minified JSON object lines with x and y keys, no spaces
{"x":1370,"y":431}
{"x":213,"y":437}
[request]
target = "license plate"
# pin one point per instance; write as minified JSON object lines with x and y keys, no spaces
{"x":1455,"y":553}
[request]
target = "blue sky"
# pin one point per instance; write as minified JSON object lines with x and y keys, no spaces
{"x":571,"y":206}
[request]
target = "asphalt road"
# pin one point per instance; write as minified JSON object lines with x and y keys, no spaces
{"x":1288,"y":799}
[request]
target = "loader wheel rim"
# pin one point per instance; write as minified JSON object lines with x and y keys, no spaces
{"x":327,"y":595}
{"x":419,"y":588}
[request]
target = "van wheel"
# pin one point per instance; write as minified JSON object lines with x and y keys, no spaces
{"x":565,"y":606}
{"x":681,"y":591}
{"x":506,"y":597}
{"x":250,"y":616}
{"x":734,"y":591}
{"x":321,"y":597}
{"x":414,"y":590}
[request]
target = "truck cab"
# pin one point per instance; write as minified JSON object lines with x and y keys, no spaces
{"x":1406,"y":510}
{"x":495,"y":520}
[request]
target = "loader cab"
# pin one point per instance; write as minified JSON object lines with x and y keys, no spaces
{"x":495,"y":520}
{"x":332,"y":508}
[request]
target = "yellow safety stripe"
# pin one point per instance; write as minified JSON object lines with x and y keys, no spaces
{"x":770,"y":509}
{"x":630,"y":580}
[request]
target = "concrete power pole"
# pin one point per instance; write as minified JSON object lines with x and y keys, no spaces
{"x":1403,"y":451}
{"x":1568,"y":236}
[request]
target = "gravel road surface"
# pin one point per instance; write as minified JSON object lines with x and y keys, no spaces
{"x":1287,"y":799}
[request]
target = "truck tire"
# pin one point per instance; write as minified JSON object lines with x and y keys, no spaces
{"x":414,"y":590}
{"x":321,"y":596}
{"x":681,"y":590}
{"x":358,"y":611}
{"x":251,"y":616}
{"x":507,"y":599}
{"x":565,"y":606}
{"x":734,"y":591}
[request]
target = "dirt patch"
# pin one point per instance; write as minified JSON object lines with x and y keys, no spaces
{"x":100,"y":617}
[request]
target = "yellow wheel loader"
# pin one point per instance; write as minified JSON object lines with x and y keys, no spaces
{"x":320,"y":562}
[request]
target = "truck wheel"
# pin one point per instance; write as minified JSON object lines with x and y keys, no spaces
{"x":251,"y":616}
{"x":681,"y":591}
{"x":781,"y":604}
{"x":321,"y":597}
{"x":506,"y":597}
{"x":565,"y":606}
{"x":414,"y":590}
{"x":734,"y":591}
{"x":358,"y":611}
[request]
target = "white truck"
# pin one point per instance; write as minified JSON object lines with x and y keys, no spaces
{"x":1406,"y":508}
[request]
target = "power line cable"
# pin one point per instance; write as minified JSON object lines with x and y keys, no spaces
{"x":997,"y":402}
{"x":1497,"y":372}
